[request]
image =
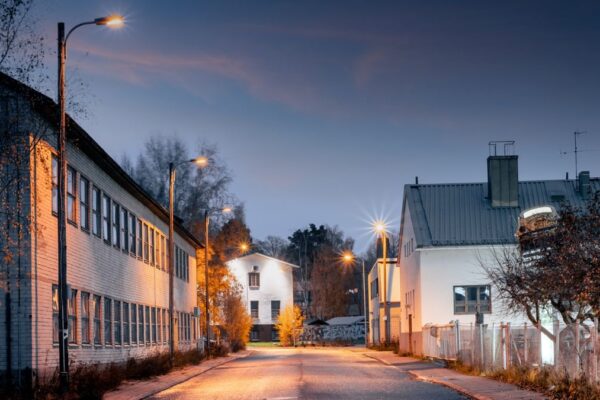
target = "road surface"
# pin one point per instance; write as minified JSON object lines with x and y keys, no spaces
{"x":318,"y":373}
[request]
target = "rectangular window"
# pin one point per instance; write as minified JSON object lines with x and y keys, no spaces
{"x":146,"y":244}
{"x":157,"y":250}
{"x":97,"y":320}
{"x":148,"y":338}
{"x":71,"y":194}
{"x":84,"y":203}
{"x":374,"y":288}
{"x":151,"y":246}
{"x":106,"y":218}
{"x":472,"y":299}
{"x":139,"y":239}
{"x":124,"y":230}
{"x":132,"y":235}
{"x":55,"y":327}
{"x":116,"y":222}
{"x":141,"y":324}
{"x":254,"y":280}
{"x":85,"y":318}
{"x":254,"y":309}
{"x":165,"y":322}
{"x":96,"y":211}
{"x":163,"y":251}
{"x":275,"y":304}
{"x":117,"y":323}
{"x":153,"y":324}
{"x":54,"y":185}
{"x":158,"y":326}
{"x":134,"y":334}
{"x":107,"y":321}
{"x":72,"y":313}
{"x":125,"y":323}
{"x":176,"y":261}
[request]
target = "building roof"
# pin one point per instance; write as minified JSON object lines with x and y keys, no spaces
{"x":460,"y":214}
{"x":267,"y":257}
{"x":346,"y":320}
{"x":79,"y":138}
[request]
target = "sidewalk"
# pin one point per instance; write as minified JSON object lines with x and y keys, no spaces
{"x":135,"y":390}
{"x":476,"y":387}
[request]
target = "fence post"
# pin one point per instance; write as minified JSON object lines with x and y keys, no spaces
{"x":539,"y":340}
{"x":503,"y":344}
{"x":577,"y":355}
{"x":508,"y":344}
{"x":472,"y":346}
{"x":457,"y":327}
{"x":556,"y":343}
{"x":525,"y":347}
{"x":493,"y":345}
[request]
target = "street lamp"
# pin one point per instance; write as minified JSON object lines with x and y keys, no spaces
{"x":380,"y":228}
{"x":201,"y":162}
{"x":63,"y":346}
{"x":349,"y":258}
{"x":207,"y":213}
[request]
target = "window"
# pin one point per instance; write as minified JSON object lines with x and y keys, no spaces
{"x":117,"y":323}
{"x":148,"y":338}
{"x":158,"y":326}
{"x":470,"y":299}
{"x":141,"y":324}
{"x":153,"y":325}
{"x":71,"y":194}
{"x":96,"y":212}
{"x":107,"y":321}
{"x":254,"y":309}
{"x":254,"y":334}
{"x":72,"y":314}
{"x":125,"y":323}
{"x":151,"y":246}
{"x":85,"y":318}
{"x":84,"y":203}
{"x":54,"y":185}
{"x":97,"y":304}
{"x":254,"y":280}
{"x":116,"y":222}
{"x":106,"y":218}
{"x":133,"y":324}
{"x":275,"y":304}
{"x":55,"y":327}
{"x":132,"y":235}
{"x":163,"y":260}
{"x":374,"y":288}
{"x":139,"y":239}
{"x":124,"y":230}
{"x":274,"y":334}
{"x":164,"y":327}
{"x":157,"y":248}
{"x":146,"y":244}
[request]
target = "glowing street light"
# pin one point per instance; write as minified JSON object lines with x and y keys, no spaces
{"x":380,"y":228}
{"x":349,"y":258}
{"x":63,"y":345}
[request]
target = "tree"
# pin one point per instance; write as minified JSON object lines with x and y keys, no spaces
{"x":370,"y":255}
{"x":290,"y":325}
{"x":227,"y":243}
{"x":330,"y":282}
{"x":273,"y":246}
{"x":555,"y":270}
{"x":236,"y":321}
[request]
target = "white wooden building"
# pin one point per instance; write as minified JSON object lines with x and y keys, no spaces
{"x":267,"y":288}
{"x":117,"y":257}
{"x":377,"y":317}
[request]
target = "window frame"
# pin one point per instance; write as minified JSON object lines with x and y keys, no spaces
{"x":132,"y":234}
{"x":85,"y":318}
{"x":71,"y":186}
{"x":256,"y":285}
{"x":96,"y":212}
{"x":252,"y":310}
{"x":84,"y":203}
{"x":469,"y":303}
{"x":146,"y":233}
{"x":97,"y":334}
{"x":54,"y":166}
{"x":116,"y":224}
{"x":106,"y":218}
{"x":124,"y":230}
{"x":72,"y":317}
{"x":134,"y":331}
{"x":107,"y":319}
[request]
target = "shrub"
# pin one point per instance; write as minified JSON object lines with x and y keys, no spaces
{"x":236,"y":322}
{"x":290,"y":325}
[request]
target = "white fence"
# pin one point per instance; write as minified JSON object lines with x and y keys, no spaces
{"x":573,"y":348}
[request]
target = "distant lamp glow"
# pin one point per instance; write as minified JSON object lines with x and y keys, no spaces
{"x":200,"y":161}
{"x":113,"y":21}
{"x":244,"y":247}
{"x":348,"y":257}
{"x":379,"y":226}
{"x":227,"y":209}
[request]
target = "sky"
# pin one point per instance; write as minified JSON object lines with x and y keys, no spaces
{"x":324,"y":110}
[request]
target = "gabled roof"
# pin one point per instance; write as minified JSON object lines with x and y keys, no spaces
{"x":459,"y":214}
{"x":77,"y":136}
{"x":257,"y":254}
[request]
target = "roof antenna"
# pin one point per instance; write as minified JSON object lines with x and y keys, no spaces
{"x":575,"y":134}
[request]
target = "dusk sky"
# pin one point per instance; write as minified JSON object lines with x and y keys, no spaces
{"x":323,"y":110}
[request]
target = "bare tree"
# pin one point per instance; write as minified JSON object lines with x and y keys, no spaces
{"x":272,"y":246}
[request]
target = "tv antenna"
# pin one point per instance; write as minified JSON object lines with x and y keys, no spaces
{"x":576,"y":150}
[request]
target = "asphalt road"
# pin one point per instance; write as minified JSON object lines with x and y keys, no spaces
{"x":286,"y":374}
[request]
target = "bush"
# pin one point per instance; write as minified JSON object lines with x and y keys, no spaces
{"x":219,"y":350}
{"x":290,"y":325}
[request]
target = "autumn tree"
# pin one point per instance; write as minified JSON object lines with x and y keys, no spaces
{"x":290,"y":325}
{"x":235,"y":319}
{"x":555,"y":270}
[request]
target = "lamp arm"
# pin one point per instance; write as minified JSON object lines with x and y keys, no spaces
{"x":77,"y":26}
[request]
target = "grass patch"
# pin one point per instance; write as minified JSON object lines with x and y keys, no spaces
{"x":263,"y":344}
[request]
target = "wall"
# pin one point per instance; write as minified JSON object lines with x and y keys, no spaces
{"x":376,"y":305}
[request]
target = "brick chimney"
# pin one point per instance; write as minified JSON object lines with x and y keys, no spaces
{"x":503,"y":176}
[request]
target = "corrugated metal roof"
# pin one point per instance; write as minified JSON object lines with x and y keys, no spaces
{"x":346,"y":320}
{"x":459,"y":214}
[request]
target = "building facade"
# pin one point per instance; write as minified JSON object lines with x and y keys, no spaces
{"x":117,"y":255}
{"x":267,"y":288}
{"x":376,"y":293}
{"x":450,"y":232}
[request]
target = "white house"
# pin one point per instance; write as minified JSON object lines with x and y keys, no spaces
{"x":267,"y":287}
{"x":448,"y":231}
{"x":377,"y":317}
{"x":117,"y":254}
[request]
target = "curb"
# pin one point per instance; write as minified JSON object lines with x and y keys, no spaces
{"x":451,"y":385}
{"x":187,"y":378}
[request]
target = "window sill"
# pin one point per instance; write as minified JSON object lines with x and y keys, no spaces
{"x":72,"y":223}
{"x":86,"y":230}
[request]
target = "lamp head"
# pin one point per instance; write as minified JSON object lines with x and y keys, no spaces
{"x":113,"y":21}
{"x":244,"y":247}
{"x":347,"y":257}
{"x":379,"y":226}
{"x":201,"y":161}
{"x":227,"y":209}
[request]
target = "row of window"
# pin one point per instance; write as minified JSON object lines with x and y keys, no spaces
{"x":275,"y":309}
{"x":101,"y":320}
{"x":114,"y":223}
{"x":409,"y":247}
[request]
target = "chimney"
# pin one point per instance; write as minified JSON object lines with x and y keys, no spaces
{"x":584,"y":184}
{"x":503,"y":176}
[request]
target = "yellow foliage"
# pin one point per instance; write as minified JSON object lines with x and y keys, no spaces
{"x":290,"y":325}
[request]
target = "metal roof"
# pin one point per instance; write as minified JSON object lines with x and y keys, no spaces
{"x":460,"y":214}
{"x":346,"y":320}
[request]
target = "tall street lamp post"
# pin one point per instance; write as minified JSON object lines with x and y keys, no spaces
{"x":348,"y":258}
{"x":201,"y":162}
{"x":207,"y":213}
{"x":63,"y":345}
{"x":380,"y":228}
